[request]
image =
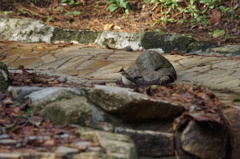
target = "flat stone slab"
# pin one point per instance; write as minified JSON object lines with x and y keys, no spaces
{"x":83,"y":61}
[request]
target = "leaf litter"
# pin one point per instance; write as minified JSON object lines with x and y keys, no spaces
{"x":23,"y":131}
{"x":200,"y":103}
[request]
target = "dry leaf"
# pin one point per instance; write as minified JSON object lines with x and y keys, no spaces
{"x":2,"y":57}
{"x":215,"y":17}
{"x":107,"y":26}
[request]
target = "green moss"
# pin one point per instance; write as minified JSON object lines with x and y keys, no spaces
{"x":200,"y":45}
{"x":167,"y":42}
{"x":83,"y":36}
{"x":111,"y":42}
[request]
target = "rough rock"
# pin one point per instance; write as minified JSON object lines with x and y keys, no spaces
{"x":132,"y":106}
{"x":4,"y":77}
{"x":92,"y":155}
{"x":232,"y":114}
{"x":167,"y":42}
{"x":74,"y":110}
{"x":47,"y":95}
{"x":67,"y":105}
{"x":150,"y":143}
{"x":203,"y":140}
{"x":116,"y":145}
{"x":200,"y":46}
{"x":152,"y":68}
{"x":81,"y":36}
{"x":227,"y":50}
{"x":62,"y":151}
{"x":79,"y":111}
{"x":111,"y":146}
{"x":26,"y":30}
{"x":29,"y":30}
{"x":19,"y":93}
{"x":16,"y":155}
{"x":120,"y":40}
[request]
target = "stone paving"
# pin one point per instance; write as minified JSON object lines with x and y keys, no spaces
{"x":87,"y":62}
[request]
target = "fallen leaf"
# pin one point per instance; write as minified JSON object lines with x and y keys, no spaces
{"x":107,"y":26}
{"x":215,"y":17}
{"x":2,"y":57}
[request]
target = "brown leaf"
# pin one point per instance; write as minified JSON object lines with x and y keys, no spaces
{"x":215,"y":17}
{"x":54,"y":4}
{"x":65,"y":44}
{"x":107,"y":26}
{"x":2,"y":57}
{"x":24,"y":71}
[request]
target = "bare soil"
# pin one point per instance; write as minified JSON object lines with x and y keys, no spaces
{"x":95,"y":16}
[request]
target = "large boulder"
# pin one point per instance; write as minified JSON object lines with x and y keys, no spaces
{"x":232,"y":114}
{"x":167,"y":42}
{"x":132,"y":106}
{"x":4,"y":77}
{"x":69,"y":105}
{"x":233,"y":50}
{"x":202,"y":140}
{"x":151,"y":68}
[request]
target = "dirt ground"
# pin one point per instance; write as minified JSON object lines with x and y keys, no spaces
{"x":93,"y":15}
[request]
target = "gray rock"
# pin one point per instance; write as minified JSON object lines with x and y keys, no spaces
{"x":62,"y":151}
{"x":16,"y":155}
{"x":232,"y":114}
{"x":167,"y":42}
{"x":79,"y":111}
{"x":151,"y":68}
{"x":19,"y":93}
{"x":204,"y":140}
{"x":116,"y":146}
{"x":120,"y":40}
{"x":4,"y":77}
{"x":150,"y":143}
{"x":81,"y":36}
{"x":47,"y":95}
{"x":92,"y":155}
{"x":200,"y":45}
{"x":25,"y":30}
{"x":74,"y":110}
{"x":227,"y":50}
{"x":68,"y":105}
{"x":132,"y":106}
